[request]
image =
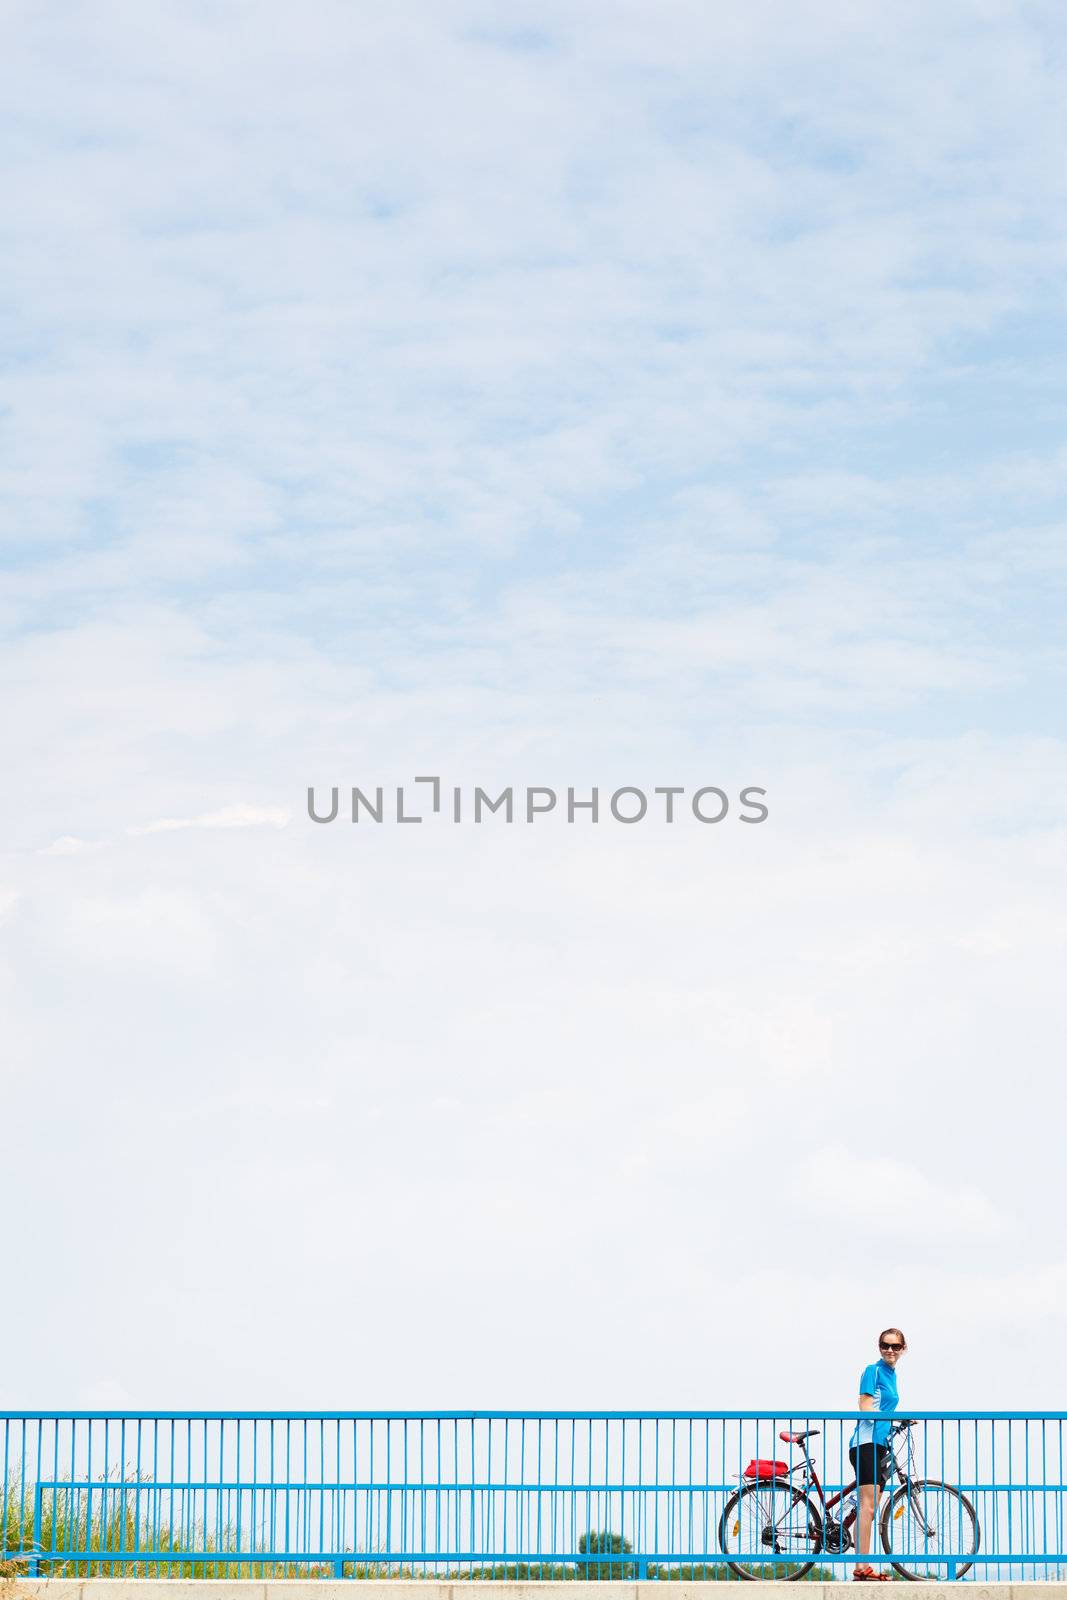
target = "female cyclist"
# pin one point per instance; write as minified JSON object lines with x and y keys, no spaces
{"x":869,"y":1445}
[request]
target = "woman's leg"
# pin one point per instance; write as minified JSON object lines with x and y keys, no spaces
{"x":868,"y":1500}
{"x":867,"y":1462}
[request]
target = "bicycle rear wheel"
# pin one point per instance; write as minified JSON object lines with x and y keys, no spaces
{"x":770,"y":1531}
{"x":931,"y":1529}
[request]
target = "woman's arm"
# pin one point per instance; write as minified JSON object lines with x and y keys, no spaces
{"x":868,"y":1402}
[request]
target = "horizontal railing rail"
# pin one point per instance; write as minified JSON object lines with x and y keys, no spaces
{"x":527,"y":1494}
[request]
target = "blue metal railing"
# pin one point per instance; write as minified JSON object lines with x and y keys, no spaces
{"x":524,"y":1494}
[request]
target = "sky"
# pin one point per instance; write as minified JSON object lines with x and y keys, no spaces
{"x":601,"y":395}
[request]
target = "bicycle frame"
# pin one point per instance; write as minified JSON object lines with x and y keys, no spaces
{"x":827,"y":1503}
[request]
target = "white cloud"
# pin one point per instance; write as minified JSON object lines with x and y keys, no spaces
{"x":68,"y":844}
{"x":885,"y":1195}
{"x":236,"y":816}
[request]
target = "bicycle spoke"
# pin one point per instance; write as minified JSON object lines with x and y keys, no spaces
{"x":769,"y":1531}
{"x":930,"y":1529}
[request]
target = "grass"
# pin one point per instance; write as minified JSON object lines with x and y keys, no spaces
{"x":119,"y":1528}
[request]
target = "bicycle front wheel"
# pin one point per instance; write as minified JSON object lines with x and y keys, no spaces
{"x":770,"y":1531}
{"x":931,"y":1530}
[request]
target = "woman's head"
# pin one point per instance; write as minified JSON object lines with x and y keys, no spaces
{"x":891,"y":1345}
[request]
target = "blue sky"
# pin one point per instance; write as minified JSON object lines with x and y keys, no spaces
{"x":561,"y":395}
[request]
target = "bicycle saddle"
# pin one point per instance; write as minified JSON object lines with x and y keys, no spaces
{"x":798,"y":1438}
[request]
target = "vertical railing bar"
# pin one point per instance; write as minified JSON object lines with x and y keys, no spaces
{"x":171,"y":1475}
{"x":36,"y":1474}
{"x":73,"y":1511}
{"x":404,"y":1493}
{"x":1059,"y":1497}
{"x":959,"y":1475}
{"x":422,"y":1497}
{"x":255,"y":1538}
{"x":55,"y":1476}
{"x":221,"y":1500}
{"x":488,"y":1551}
{"x":706,"y":1495}
{"x":455,"y":1480}
{"x":571,"y":1512}
{"x":356,"y":1495}
{"x":722,"y":1478}
{"x":389,"y":1486}
{"x":539,"y":1534}
{"x":7,"y":1480}
{"x":979,"y":1499}
{"x":299,"y":1477}
{"x":504,"y":1500}
{"x":137,"y":1503}
{"x":557,"y":1506}
{"x":1028,"y":1509}
{"x":239,"y":1496}
{"x":355,"y":1492}
{"x":322,"y":1484}
{"x":205,"y":1457}
{"x":303,"y":1521}
{"x":122,"y":1496}
{"x":622,"y":1501}
{"x":689,"y":1494}
{"x":603,"y":1514}
{"x":521,"y":1493}
{"x":655,"y":1479}
{"x":1010,"y":1490}
{"x":288,"y":1491}
{"x":338,"y":1541}
{"x":187,"y":1529}
{"x":370,"y":1498}
{"x":474,"y":1500}
{"x":448,"y":1512}
{"x":675,"y":1521}
{"x":1044,"y":1488}
{"x":273,"y":1538}
{"x":229,"y":1508}
{"x":183,"y":1506}
{"x":1029,"y":1490}
{"x":69,"y":1522}
{"x":89,"y":1499}
{"x":993,"y":1479}
{"x":105,"y":1535}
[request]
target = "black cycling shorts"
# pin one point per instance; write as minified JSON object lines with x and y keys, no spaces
{"x":870,"y":1463}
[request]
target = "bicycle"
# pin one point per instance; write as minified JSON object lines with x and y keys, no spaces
{"x":930,"y":1524}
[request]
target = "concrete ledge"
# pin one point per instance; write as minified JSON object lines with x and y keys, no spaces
{"x":428,"y":1589}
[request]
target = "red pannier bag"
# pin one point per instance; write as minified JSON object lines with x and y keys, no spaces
{"x":766,"y":1469}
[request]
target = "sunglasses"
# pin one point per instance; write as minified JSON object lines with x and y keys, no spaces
{"x":887,"y":1344}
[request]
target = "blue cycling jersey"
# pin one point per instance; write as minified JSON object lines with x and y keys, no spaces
{"x":878,"y":1380}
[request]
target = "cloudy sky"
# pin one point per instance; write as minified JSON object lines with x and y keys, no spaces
{"x":590,"y":394}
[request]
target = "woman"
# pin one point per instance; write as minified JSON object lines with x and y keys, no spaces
{"x":869,"y":1445}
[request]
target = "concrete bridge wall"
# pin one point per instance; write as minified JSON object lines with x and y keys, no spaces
{"x":370,"y":1589}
